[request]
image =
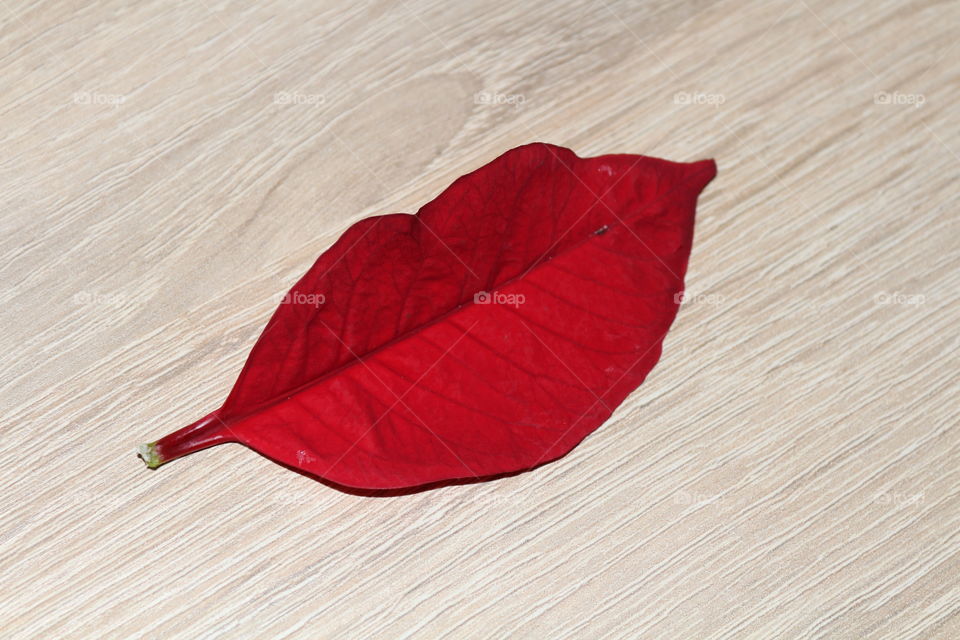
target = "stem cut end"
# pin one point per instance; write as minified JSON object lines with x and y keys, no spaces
{"x":150,"y":454}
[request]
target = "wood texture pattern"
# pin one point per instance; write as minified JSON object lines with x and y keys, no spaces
{"x":789,"y":470}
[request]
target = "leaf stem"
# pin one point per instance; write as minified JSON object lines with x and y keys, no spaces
{"x":205,"y":432}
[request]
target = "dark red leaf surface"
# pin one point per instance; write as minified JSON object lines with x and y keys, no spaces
{"x":487,"y":334}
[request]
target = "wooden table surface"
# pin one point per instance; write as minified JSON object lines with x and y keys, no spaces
{"x":791,"y":468}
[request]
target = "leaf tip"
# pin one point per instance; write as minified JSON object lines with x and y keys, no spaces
{"x":149,"y":454}
{"x":703,"y":172}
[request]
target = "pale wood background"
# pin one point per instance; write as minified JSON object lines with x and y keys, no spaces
{"x":789,"y":470}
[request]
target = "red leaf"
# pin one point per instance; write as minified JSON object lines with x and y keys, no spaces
{"x":487,"y":334}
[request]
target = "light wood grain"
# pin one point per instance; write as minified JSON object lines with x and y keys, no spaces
{"x":791,"y":468}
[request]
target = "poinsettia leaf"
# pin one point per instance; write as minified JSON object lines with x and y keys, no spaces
{"x":487,"y":334}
